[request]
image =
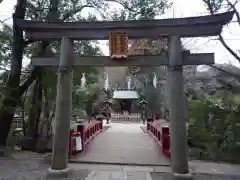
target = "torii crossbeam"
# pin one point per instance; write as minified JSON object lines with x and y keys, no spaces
{"x":150,"y":60}
{"x":184,"y":27}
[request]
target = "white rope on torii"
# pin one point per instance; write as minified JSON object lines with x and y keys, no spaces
{"x":129,"y":82}
{"x":83,"y":81}
{"x":106,"y":84}
{"x":154,"y":80}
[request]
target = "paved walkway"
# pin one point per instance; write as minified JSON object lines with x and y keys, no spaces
{"x":35,"y":169}
{"x":31,"y":166}
{"x":123,"y":144}
{"x":201,"y":171}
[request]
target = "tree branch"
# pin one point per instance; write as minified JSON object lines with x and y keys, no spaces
{"x":3,"y":21}
{"x":4,"y":69}
{"x":221,"y":39}
{"x":36,"y":70}
{"x":29,"y":80}
{"x":74,"y":11}
{"x":123,"y":5}
{"x":35,"y":10}
{"x":237,"y":76}
{"x":29,"y":41}
{"x":233,"y":6}
{"x":228,"y":48}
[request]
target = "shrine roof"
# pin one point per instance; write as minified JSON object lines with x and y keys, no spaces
{"x":127,"y":94}
{"x":210,"y":25}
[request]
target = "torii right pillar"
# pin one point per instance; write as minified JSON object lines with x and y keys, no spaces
{"x":177,"y":111}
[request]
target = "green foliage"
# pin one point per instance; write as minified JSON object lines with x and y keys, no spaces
{"x":83,"y":96}
{"x":140,"y":9}
{"x":213,"y":128}
{"x":80,"y":98}
{"x":67,"y":11}
{"x":5,"y":46}
{"x":70,"y":11}
{"x":3,"y":82}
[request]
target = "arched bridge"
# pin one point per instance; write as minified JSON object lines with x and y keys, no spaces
{"x":122,"y":144}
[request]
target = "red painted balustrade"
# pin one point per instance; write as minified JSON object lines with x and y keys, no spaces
{"x":83,"y":135}
{"x":159,"y":130}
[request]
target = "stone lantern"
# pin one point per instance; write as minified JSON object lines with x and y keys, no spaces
{"x":143,"y":105}
{"x":107,"y":106}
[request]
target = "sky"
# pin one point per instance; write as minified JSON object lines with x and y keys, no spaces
{"x":181,"y":8}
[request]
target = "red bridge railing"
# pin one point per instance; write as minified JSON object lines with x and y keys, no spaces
{"x":84,"y":133}
{"x":159,"y":130}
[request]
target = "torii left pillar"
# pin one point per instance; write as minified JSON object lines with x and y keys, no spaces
{"x":63,"y":110}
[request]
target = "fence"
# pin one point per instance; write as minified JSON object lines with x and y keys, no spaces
{"x":118,"y":117}
{"x":83,"y":135}
{"x":159,"y":130}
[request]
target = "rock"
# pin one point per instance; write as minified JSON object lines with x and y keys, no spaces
{"x":17,"y":148}
{"x":81,"y":114}
{"x":43,"y":144}
{"x":79,"y":121}
{"x":48,"y":158}
{"x":196,"y":153}
{"x":6,"y":153}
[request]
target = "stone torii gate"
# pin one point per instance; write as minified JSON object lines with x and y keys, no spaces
{"x":174,"y":59}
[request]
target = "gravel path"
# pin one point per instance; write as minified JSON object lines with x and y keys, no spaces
{"x":33,"y":170}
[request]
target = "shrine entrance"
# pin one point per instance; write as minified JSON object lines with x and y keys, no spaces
{"x":124,"y":99}
{"x":174,"y":58}
{"x":122,"y":103}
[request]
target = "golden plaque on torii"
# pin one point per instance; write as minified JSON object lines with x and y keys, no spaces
{"x":118,"y":45}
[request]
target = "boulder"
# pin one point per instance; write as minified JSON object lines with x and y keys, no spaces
{"x":48,"y":158}
{"x":81,"y":114}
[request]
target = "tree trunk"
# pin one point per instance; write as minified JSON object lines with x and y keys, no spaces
{"x":14,"y":92}
{"x":34,"y":116}
{"x":12,"y":95}
{"x":49,"y":133}
{"x":38,"y":108}
{"x":46,"y":113}
{"x":23,"y":114}
{"x":49,"y":113}
{"x":36,"y":113}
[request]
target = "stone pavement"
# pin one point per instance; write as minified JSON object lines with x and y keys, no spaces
{"x":116,"y":172}
{"x":123,"y":144}
{"x":202,"y":167}
{"x":168,"y":176}
{"x":35,"y":169}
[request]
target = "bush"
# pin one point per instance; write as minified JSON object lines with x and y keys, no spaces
{"x":214,"y":128}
